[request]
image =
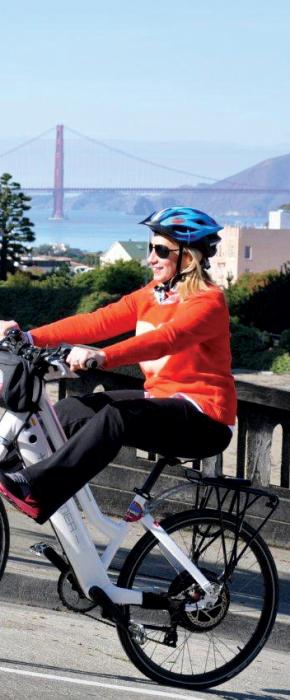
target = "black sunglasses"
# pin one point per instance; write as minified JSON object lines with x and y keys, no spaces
{"x":161,"y":250}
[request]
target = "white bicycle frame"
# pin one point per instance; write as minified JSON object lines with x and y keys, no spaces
{"x":38,"y":436}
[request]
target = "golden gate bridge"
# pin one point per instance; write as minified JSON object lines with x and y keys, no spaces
{"x":111,"y":174}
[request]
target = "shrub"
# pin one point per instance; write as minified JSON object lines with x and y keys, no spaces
{"x":268,"y":308}
{"x":20,"y":279}
{"x":57,"y":278}
{"x":86,"y":280}
{"x":36,"y":305}
{"x":245,"y":287}
{"x":247,"y":344}
{"x":284,"y":341}
{"x":119,"y":278}
{"x":281,"y":363}
{"x":93,"y":301}
{"x":251,"y":349}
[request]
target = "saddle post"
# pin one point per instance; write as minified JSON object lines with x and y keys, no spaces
{"x":154,"y":475}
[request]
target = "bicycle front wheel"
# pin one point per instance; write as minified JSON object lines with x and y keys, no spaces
{"x":211,"y":645}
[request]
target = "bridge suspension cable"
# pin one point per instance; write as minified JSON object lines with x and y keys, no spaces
{"x":138,"y":158}
{"x":26,"y":143}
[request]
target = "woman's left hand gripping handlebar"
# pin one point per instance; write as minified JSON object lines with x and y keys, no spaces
{"x":6,"y":326}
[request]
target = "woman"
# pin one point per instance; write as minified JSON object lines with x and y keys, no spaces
{"x":188,"y":404}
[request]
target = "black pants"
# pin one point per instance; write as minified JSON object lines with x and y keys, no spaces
{"x":97,"y":426}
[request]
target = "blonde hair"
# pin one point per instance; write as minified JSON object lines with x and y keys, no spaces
{"x":196,"y":278}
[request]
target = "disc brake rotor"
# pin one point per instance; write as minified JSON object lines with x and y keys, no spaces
{"x":201,"y":619}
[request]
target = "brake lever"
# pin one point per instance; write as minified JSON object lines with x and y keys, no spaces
{"x":64,"y":369}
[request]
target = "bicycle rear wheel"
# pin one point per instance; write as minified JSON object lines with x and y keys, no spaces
{"x":215,"y":644}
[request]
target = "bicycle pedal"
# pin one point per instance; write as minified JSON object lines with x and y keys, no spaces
{"x":45,"y":550}
{"x":38,"y":548}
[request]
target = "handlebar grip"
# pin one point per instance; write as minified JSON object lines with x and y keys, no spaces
{"x":14,"y":334}
{"x":91,"y":363}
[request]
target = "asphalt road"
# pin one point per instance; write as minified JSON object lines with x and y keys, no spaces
{"x":49,"y":652}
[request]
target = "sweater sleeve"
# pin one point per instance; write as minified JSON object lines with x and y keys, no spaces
{"x":197,"y":320}
{"x":107,"y":322}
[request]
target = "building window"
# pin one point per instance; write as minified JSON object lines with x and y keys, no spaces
{"x":248,"y":252}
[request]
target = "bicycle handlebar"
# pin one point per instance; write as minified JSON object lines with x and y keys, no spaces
{"x":43,"y":358}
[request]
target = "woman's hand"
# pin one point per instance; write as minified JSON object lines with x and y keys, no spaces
{"x":78,"y":357}
{"x":6,"y":326}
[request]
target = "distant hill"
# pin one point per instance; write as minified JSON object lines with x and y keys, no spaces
{"x":271,"y":174}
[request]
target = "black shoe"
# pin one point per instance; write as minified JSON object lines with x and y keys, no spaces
{"x":12,"y":462}
{"x":25,"y":503}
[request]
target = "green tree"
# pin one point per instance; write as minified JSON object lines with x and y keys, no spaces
{"x":91,"y":259}
{"x":246,"y":286}
{"x":268,"y":308}
{"x":15,"y":226}
{"x":118,"y":279}
{"x":121,"y":277}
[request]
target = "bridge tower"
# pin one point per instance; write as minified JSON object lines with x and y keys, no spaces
{"x":58,"y":194}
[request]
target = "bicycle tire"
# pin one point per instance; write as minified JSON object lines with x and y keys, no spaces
{"x":4,"y":538}
{"x":247,"y":605}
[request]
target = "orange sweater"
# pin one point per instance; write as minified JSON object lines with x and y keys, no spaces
{"x":182,"y":347}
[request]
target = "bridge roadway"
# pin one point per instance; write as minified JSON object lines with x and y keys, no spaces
{"x":193,"y":190}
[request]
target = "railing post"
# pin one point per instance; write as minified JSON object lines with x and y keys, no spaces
{"x":260,"y":433}
{"x":285,"y":457}
{"x":242,"y":428}
{"x":212,"y":466}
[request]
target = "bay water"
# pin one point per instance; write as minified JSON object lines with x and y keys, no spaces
{"x":96,"y":230}
{"x":91,"y":231}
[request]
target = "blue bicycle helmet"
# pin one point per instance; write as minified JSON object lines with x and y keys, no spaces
{"x":187,"y":226}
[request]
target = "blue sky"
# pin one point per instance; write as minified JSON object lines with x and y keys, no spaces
{"x":213,"y":72}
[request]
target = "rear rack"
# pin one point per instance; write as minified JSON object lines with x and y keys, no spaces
{"x":231,"y":494}
{"x":226,"y":495}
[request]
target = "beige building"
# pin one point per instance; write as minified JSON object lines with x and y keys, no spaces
{"x":248,"y":249}
{"x":279,"y":218}
{"x":125,"y":250}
